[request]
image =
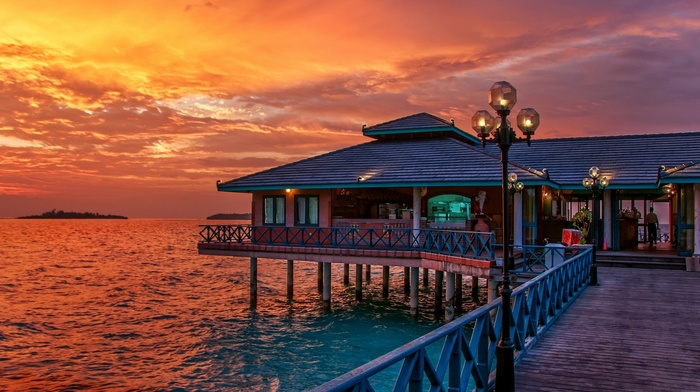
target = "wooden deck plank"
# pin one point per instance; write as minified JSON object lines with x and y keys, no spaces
{"x":639,"y":330}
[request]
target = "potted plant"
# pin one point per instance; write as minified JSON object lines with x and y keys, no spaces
{"x":582,"y":222}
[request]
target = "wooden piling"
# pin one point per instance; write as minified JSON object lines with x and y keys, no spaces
{"x":290,"y":279}
{"x":385,"y":281}
{"x":406,"y":280}
{"x":358,"y":282}
{"x":327,"y":286}
{"x":415,"y":271}
{"x":368,"y":272}
{"x":319,"y":277}
{"x":458,"y":292}
{"x":346,"y":274}
{"x":426,"y":276}
{"x":450,"y":297}
{"x":475,"y":289}
{"x":438,"y":292}
{"x":253,"y":282}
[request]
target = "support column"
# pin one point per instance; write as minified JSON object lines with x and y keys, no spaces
{"x":385,"y":281}
{"x":450,"y":297}
{"x":414,"y":292}
{"x":368,"y":273}
{"x":417,"y":196}
{"x":492,"y":289}
{"x":517,"y":219}
{"x":326,"y":286}
{"x":406,"y":280}
{"x":438,"y":292}
{"x":607,"y":220}
{"x":358,"y":282}
{"x":475,"y":290}
{"x":346,"y":274}
{"x":696,"y":243}
{"x":458,"y":292}
{"x":253,"y":282}
{"x":290,"y":279}
{"x":426,"y":277}
{"x":319,"y":277}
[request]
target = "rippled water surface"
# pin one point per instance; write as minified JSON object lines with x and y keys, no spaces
{"x":129,"y":305}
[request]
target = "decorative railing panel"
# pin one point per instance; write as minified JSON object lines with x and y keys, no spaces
{"x":460,"y":356}
{"x":458,"y":243}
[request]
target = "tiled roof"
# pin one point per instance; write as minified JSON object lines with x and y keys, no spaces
{"x":433,"y":152}
{"x":421,"y":125}
{"x":681,"y":174}
{"x":440,"y":161}
{"x":630,"y":161}
{"x":414,"y":121}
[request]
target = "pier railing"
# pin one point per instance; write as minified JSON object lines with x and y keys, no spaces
{"x":478,"y":245}
{"x":460,"y":356}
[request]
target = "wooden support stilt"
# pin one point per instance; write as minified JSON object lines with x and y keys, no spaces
{"x":368,"y":272}
{"x":475,"y":289}
{"x":458,"y":292}
{"x":346,"y":274}
{"x":253,"y":282}
{"x":438,"y":292}
{"x":492,"y":289}
{"x":426,"y":276}
{"x":406,"y":280}
{"x":326,"y":286}
{"x":450,"y":297}
{"x":385,"y":281}
{"x":415,"y":271}
{"x":358,"y":282}
{"x":319,"y":277}
{"x":290,"y":280}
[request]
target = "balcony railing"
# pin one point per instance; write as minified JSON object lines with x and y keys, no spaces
{"x":460,"y":356}
{"x":477,"y":245}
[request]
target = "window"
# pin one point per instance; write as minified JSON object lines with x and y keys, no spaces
{"x":273,"y":213}
{"x":306,"y":211}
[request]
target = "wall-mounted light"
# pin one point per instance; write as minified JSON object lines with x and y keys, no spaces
{"x":289,"y":190}
{"x":360,"y":179}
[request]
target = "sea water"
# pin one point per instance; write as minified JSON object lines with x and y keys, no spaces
{"x":129,"y":305}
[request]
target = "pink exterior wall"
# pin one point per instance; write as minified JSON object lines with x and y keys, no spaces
{"x":324,"y":205}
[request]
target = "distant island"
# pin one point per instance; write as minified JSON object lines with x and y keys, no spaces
{"x":60,"y":214}
{"x":233,"y":216}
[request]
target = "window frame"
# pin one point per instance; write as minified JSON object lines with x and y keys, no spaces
{"x":275,"y":213}
{"x":307,"y":209}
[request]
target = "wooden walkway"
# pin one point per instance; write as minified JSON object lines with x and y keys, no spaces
{"x":639,"y":330}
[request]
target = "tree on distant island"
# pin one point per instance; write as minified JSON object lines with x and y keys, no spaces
{"x":60,"y":214}
{"x":230,"y":216}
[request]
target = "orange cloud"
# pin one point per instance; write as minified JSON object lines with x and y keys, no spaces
{"x":106,"y":103}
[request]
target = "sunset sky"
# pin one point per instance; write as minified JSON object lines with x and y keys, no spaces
{"x":138,"y":107}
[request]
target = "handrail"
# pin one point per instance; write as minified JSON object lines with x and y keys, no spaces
{"x":477,"y":245}
{"x":467,"y":357}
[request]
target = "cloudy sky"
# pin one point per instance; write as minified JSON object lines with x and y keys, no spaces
{"x":137,"y":107}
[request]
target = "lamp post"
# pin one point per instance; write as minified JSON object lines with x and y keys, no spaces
{"x":502,"y":98}
{"x":595,"y":183}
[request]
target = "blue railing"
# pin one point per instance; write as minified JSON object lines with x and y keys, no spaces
{"x":459,"y":243}
{"x":467,"y":345}
{"x":537,"y":259}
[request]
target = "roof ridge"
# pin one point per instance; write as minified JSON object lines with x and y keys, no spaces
{"x":449,"y":123}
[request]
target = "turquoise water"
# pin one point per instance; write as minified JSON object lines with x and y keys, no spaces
{"x":130,"y":305}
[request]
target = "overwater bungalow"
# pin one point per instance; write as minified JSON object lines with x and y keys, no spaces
{"x":420,"y":175}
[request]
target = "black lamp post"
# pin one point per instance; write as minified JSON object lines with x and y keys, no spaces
{"x":595,"y":183}
{"x":502,"y":98}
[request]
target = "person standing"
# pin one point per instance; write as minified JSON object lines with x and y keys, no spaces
{"x":652,"y":222}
